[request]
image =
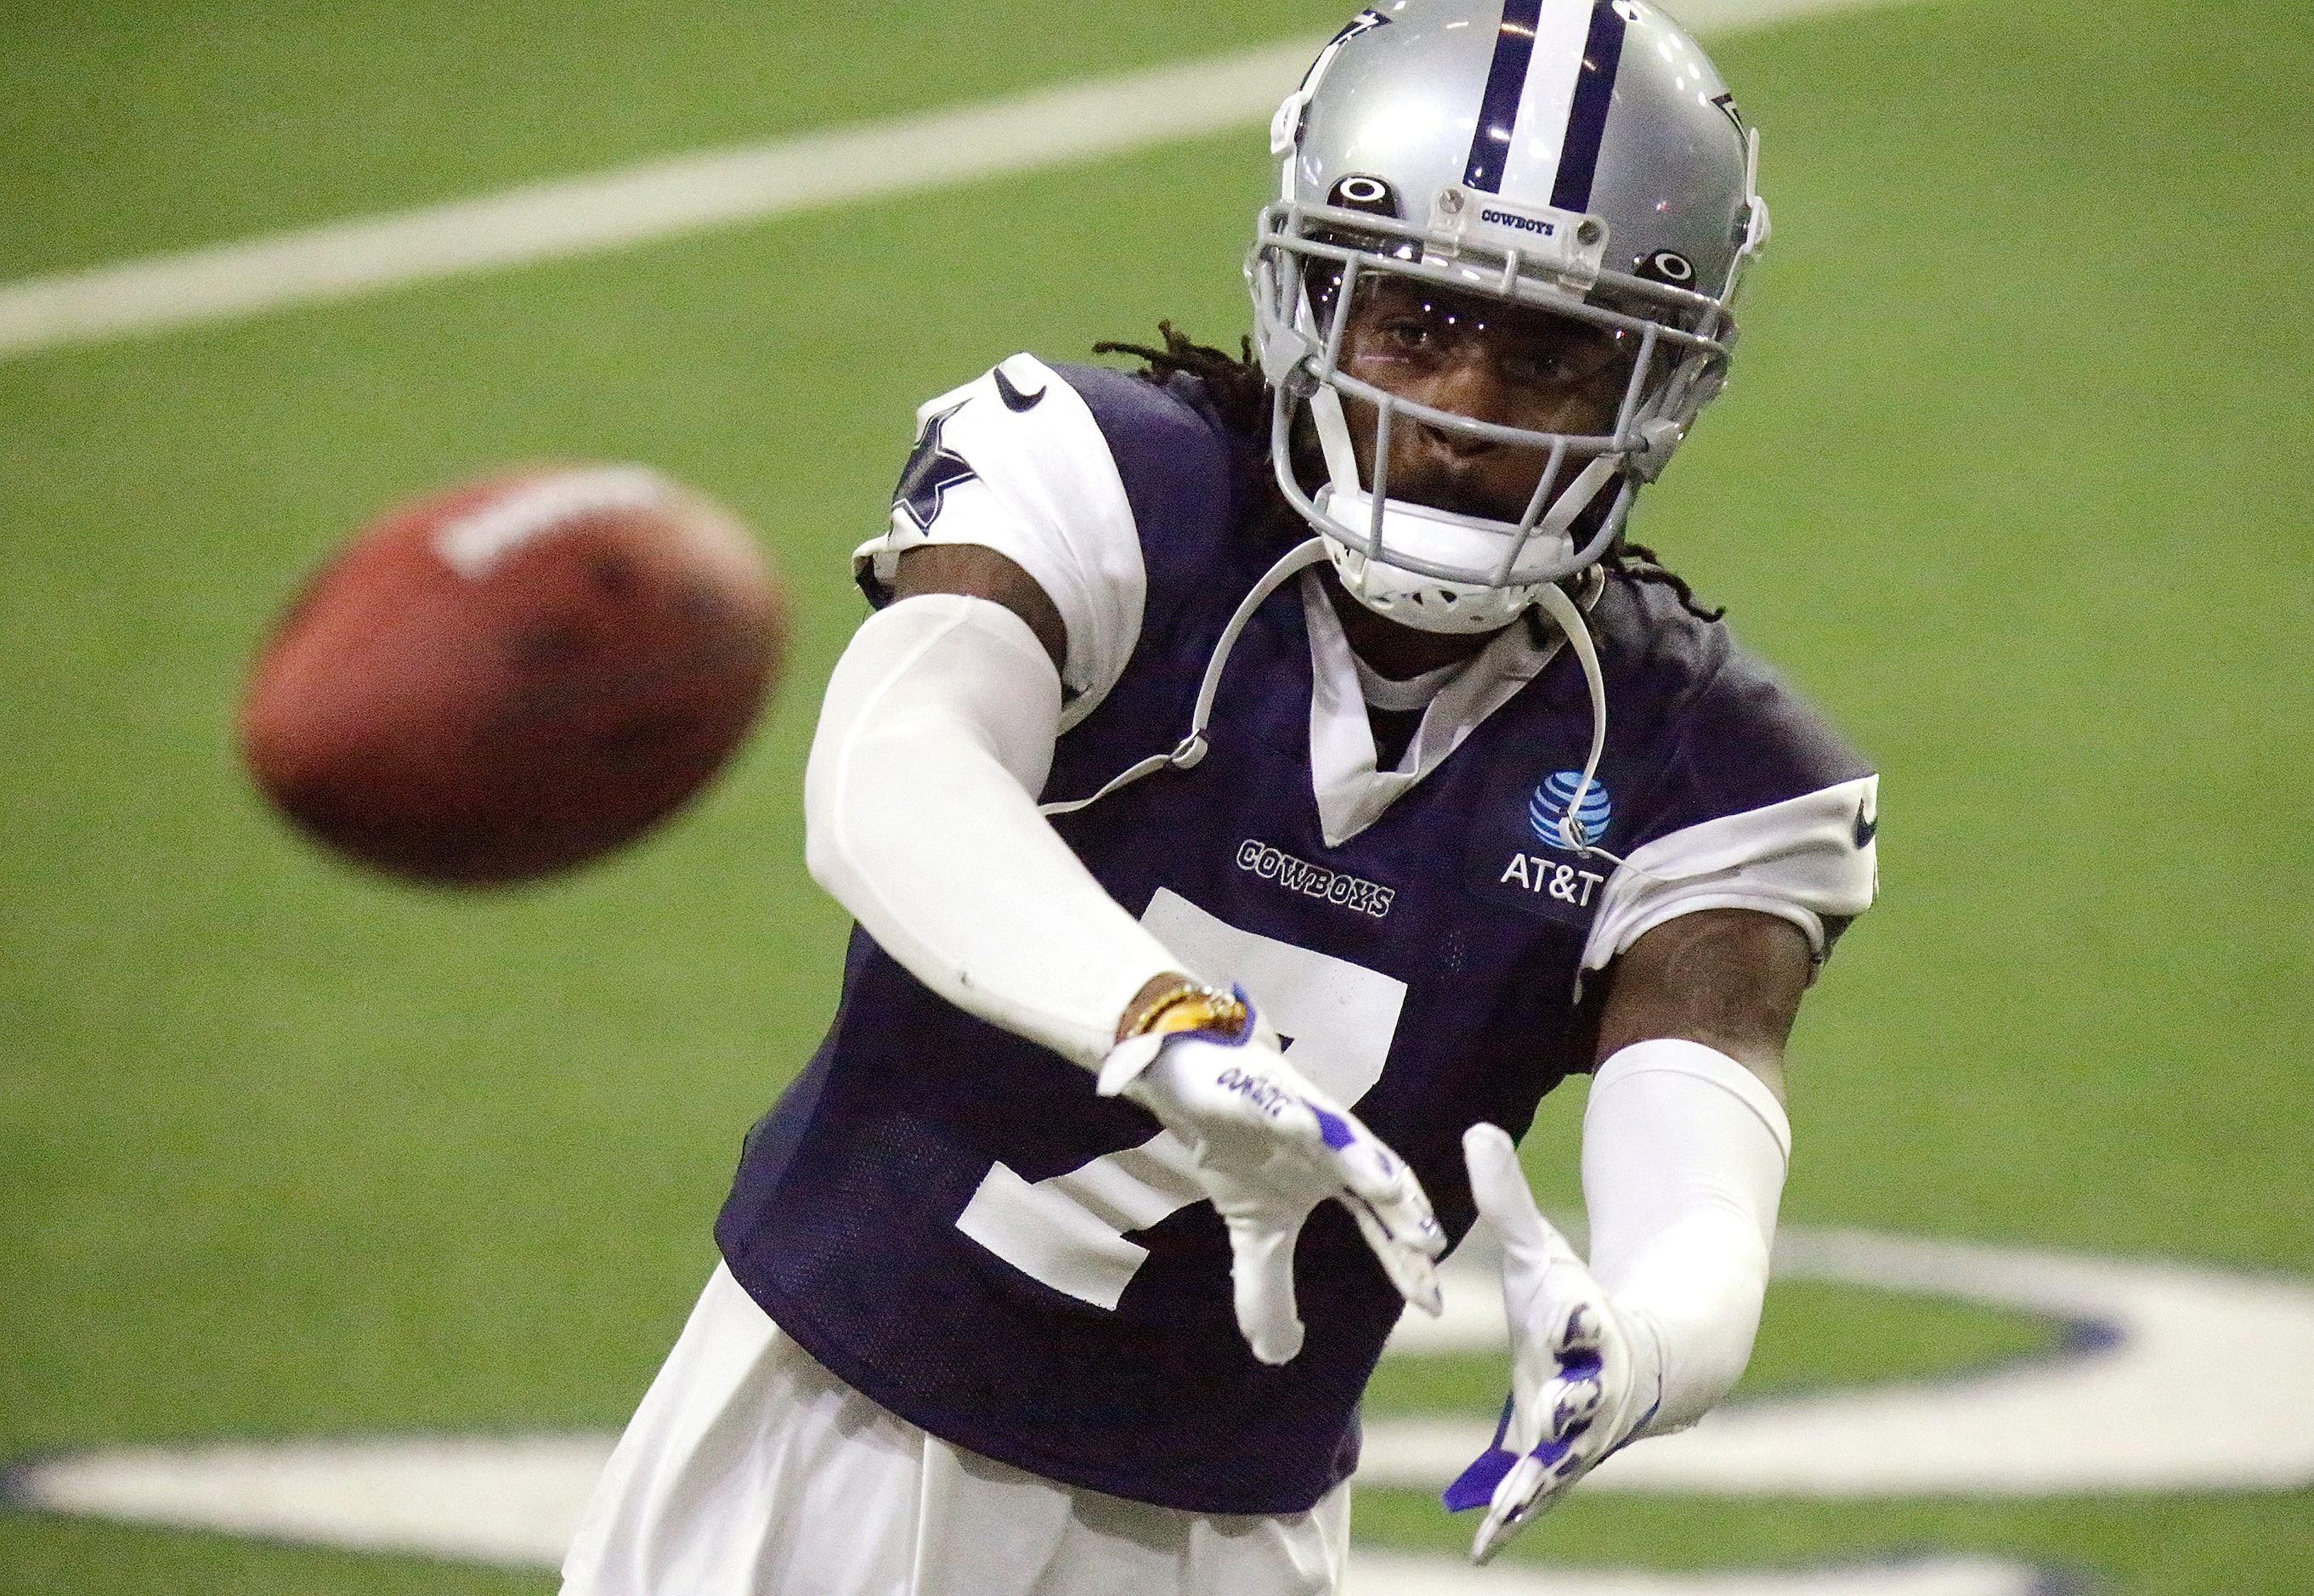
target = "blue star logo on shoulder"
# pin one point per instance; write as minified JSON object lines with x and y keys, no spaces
{"x":1546,"y":811}
{"x":933,"y":469}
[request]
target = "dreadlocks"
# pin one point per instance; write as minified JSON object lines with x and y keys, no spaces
{"x":1239,"y":396}
{"x":1639,"y":562}
{"x":1234,"y":384}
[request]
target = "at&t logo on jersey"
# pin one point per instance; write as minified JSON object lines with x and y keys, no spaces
{"x":1547,"y":808}
{"x":1569,"y":883}
{"x":1546,"y":816}
{"x":1521,"y":860}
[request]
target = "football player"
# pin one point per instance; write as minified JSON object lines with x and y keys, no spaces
{"x":1226,"y":791}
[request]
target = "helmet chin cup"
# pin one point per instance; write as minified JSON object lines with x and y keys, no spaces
{"x":1425,"y":602}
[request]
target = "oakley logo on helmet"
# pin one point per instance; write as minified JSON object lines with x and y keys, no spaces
{"x":1667,"y":266}
{"x":1369,"y":194}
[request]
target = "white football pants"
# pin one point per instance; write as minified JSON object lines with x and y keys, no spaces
{"x":750,"y":1471}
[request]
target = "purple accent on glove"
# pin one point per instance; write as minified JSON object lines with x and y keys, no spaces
{"x":1475,"y":1486}
{"x":1244,"y":1032}
{"x":1552,"y":1453}
{"x":1334,"y":1129}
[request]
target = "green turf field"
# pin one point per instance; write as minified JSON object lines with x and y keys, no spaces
{"x":2011,"y":477}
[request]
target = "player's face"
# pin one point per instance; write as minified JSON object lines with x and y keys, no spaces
{"x":1512,"y":364}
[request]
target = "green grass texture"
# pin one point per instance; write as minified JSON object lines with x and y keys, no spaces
{"x":2010,"y":478}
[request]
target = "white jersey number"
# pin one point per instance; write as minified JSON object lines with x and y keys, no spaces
{"x":1069,"y":1231}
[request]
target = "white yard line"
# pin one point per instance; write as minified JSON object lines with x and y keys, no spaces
{"x":2096,"y":1419}
{"x":516,"y":1501}
{"x":657,"y":199}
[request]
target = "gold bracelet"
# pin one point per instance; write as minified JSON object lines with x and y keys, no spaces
{"x":1190,"y":1007}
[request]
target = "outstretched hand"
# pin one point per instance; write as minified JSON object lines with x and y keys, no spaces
{"x":1269,"y":1148}
{"x":1584,"y":1376}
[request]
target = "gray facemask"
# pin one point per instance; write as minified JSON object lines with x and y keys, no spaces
{"x":1577,"y":158}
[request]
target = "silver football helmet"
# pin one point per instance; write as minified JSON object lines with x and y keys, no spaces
{"x":1579,"y":157}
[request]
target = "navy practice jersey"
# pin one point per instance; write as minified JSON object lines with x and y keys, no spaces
{"x":949,"y":1218}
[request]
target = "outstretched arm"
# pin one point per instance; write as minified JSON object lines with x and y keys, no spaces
{"x":919,"y":802}
{"x":1727,"y":978}
{"x":935,"y":735}
{"x":1685,"y":1143}
{"x":976,"y":572}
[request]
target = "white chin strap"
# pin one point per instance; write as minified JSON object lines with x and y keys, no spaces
{"x":1435,"y":604}
{"x":1401,"y":599}
{"x":1561,"y":609}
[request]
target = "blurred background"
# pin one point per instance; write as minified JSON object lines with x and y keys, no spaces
{"x":2010,"y":477}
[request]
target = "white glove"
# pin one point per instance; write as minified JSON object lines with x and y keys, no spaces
{"x":1269,"y":1148}
{"x":1586,"y":1375}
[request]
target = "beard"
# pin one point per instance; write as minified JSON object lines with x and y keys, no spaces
{"x":1494,"y":489}
{"x":1486,"y":488}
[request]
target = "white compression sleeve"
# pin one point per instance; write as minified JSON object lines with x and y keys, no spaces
{"x":920,"y":818}
{"x":1683,"y":1158}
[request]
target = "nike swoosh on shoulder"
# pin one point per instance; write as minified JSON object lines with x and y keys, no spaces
{"x":1865,"y":829}
{"x":1014,"y":400}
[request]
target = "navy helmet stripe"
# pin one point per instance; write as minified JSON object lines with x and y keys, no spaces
{"x":1490,"y":141}
{"x":1586,"y":119}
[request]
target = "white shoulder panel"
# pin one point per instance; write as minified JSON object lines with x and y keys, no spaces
{"x":1801,"y":860}
{"x":1036,"y":482}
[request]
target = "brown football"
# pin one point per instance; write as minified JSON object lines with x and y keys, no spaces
{"x":516,"y":677}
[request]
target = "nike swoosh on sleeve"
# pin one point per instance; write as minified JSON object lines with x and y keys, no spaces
{"x":1014,"y":400}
